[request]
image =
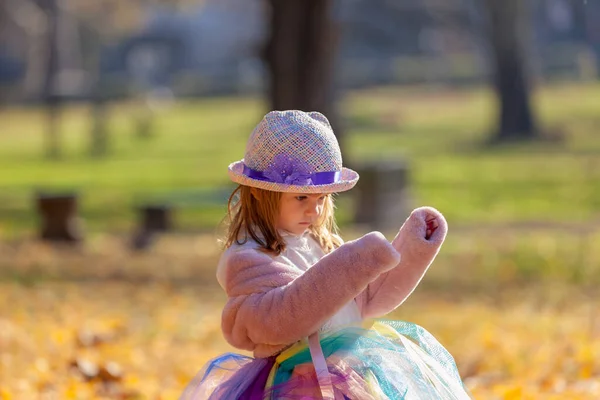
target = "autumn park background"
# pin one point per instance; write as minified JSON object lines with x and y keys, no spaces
{"x":118,"y":120}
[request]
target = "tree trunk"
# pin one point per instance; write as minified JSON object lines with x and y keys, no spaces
{"x":508,"y":36}
{"x":37,"y":32}
{"x":99,"y":142}
{"x":51,"y":97}
{"x":300,"y":55}
{"x":18,"y":17}
{"x":591,"y":16}
{"x":99,"y":131}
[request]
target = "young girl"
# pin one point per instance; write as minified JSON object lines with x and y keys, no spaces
{"x":301,"y":300}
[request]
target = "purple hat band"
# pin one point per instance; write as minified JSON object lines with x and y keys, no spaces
{"x":294,"y":178}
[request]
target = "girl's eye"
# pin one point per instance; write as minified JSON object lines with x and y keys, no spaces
{"x":300,"y":198}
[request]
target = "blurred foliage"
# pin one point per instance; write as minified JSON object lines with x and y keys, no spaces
{"x":123,"y":16}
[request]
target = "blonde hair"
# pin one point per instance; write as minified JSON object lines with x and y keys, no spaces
{"x":253,"y":212}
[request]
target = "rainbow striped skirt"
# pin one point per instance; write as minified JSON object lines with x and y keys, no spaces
{"x":381,"y":359}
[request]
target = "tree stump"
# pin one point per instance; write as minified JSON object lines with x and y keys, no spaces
{"x":382,"y":195}
{"x":59,"y":221}
{"x":154,"y":219}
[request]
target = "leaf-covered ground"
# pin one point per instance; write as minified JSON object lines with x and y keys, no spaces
{"x":104,"y":322}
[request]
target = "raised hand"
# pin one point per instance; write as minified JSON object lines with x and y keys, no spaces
{"x":418,"y":242}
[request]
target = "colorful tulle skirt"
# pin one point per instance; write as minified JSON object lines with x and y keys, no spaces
{"x":378,"y":360}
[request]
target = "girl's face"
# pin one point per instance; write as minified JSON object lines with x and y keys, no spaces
{"x":297,"y":211}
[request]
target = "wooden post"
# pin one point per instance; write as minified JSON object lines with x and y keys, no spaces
{"x":153,"y":220}
{"x":156,"y":218}
{"x":59,"y":221}
{"x":382,"y":195}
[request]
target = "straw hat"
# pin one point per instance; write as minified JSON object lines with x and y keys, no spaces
{"x":293,"y":151}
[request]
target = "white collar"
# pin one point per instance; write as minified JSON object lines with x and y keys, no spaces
{"x":285,"y":233}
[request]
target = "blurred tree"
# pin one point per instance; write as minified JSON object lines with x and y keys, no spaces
{"x":51,"y":97}
{"x":300,"y":55}
{"x":508,"y":34}
{"x":89,"y":28}
{"x":22,"y":27}
{"x":590,"y":14}
{"x":99,"y":132}
{"x":96,"y":28}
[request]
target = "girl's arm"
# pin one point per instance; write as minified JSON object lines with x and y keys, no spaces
{"x":390,"y":289}
{"x":270,"y":303}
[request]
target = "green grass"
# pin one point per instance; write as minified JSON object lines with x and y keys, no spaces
{"x":440,"y":132}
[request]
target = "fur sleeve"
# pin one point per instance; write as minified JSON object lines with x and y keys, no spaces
{"x":276,"y":304}
{"x":390,"y":290}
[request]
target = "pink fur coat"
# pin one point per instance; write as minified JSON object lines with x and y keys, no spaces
{"x":272,"y":305}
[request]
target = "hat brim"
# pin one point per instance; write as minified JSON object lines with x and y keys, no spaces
{"x":348,"y":179}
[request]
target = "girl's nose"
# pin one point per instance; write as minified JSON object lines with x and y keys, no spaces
{"x":312,"y":209}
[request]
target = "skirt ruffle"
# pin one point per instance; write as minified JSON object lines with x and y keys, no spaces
{"x":379,"y":360}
